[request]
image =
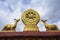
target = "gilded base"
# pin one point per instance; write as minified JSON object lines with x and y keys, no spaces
{"x":31,"y":28}
{"x":8,"y":31}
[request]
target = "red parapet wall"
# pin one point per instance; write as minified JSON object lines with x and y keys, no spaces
{"x":29,"y":35}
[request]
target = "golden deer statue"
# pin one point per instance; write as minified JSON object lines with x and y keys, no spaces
{"x":10,"y":27}
{"x":49,"y":26}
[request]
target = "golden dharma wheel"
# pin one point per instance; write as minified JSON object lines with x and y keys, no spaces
{"x":30,"y":18}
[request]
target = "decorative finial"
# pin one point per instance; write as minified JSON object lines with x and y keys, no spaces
{"x":30,"y":18}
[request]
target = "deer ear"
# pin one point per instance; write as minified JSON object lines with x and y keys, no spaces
{"x":41,"y":20}
{"x":46,"y":20}
{"x":14,"y":19}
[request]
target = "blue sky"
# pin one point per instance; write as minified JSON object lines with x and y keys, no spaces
{"x":48,"y":9}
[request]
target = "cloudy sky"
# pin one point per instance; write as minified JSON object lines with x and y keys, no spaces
{"x":48,"y":9}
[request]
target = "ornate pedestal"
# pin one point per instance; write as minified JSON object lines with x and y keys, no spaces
{"x":30,"y":35}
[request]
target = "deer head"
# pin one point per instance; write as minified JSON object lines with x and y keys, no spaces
{"x":17,"y":20}
{"x":43,"y":20}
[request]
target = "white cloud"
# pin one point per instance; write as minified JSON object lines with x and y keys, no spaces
{"x":36,"y":3}
{"x":3,"y":18}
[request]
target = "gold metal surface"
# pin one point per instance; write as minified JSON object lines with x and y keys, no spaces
{"x":30,"y":18}
{"x":10,"y":27}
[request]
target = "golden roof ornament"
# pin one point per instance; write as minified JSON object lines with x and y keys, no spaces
{"x":11,"y":27}
{"x":30,"y":18}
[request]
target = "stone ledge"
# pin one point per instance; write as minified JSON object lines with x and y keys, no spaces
{"x":48,"y":33}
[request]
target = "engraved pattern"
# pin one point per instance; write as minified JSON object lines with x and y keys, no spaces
{"x":30,"y":18}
